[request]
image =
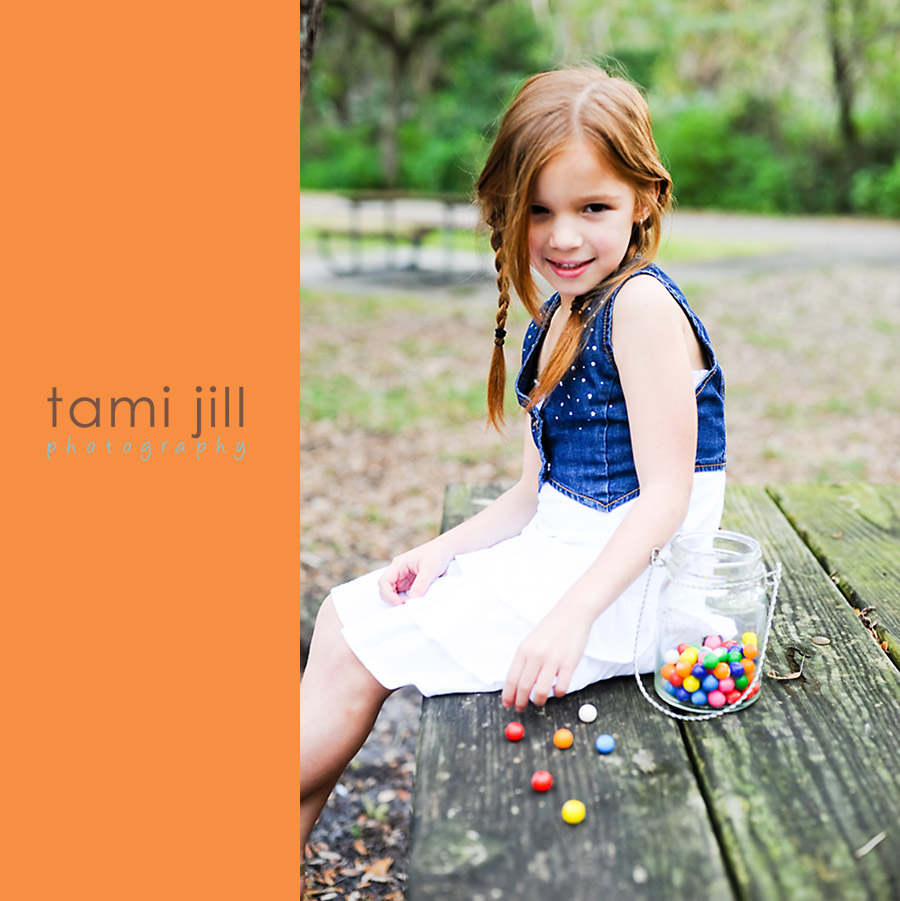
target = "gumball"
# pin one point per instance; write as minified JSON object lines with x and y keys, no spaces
{"x":682,"y":695}
{"x":671,"y":656}
{"x":733,"y":696}
{"x":515,"y":731}
{"x":668,"y":688}
{"x":750,"y":638}
{"x":709,"y":683}
{"x":751,"y":651}
{"x":698,"y":698}
{"x":741,"y":683}
{"x":676,"y":680}
{"x":734,"y":654}
{"x":729,"y":644}
{"x":683,"y":668}
{"x":563,"y":738}
{"x":726,"y":686}
{"x":716,"y":699}
{"x":667,"y":671}
{"x":714,"y":658}
{"x":573,"y":812}
{"x":682,"y":646}
{"x":691,"y":684}
{"x":737,"y":670}
{"x":541,"y":781}
{"x":587,"y":713}
{"x":712,"y":641}
{"x":689,"y":655}
{"x":699,"y":671}
{"x":605,"y":743}
{"x":722,"y":670}
{"x":754,"y":690}
{"x":749,"y":667}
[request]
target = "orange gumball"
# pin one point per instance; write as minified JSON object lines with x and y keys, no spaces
{"x":751,"y":651}
{"x":563,"y":738}
{"x":683,"y":668}
{"x":667,"y":670}
{"x":749,"y":667}
{"x":721,"y":671}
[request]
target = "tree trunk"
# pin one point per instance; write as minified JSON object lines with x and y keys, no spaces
{"x":310,"y":17}
{"x":390,"y":128}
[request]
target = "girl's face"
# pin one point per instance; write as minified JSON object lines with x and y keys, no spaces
{"x":581,"y":219}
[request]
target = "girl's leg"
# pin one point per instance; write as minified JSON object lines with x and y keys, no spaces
{"x":339,"y":702}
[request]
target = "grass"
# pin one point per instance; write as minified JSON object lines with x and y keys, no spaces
{"x":808,"y":374}
{"x":391,"y":363}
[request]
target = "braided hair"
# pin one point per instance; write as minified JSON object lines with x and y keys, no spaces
{"x":550,"y":110}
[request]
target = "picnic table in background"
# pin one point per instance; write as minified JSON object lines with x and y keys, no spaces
{"x":795,"y":797}
{"x":400,"y":239}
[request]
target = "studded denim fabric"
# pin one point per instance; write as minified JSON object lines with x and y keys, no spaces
{"x":581,"y":428}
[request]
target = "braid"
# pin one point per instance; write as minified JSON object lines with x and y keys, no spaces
{"x":497,"y":375}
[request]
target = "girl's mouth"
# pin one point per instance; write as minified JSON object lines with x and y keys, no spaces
{"x":569,"y":269}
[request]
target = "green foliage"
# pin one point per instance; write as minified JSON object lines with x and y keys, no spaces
{"x":715,"y":165}
{"x":745,"y":96}
{"x":877,"y":191}
{"x":336,"y":157}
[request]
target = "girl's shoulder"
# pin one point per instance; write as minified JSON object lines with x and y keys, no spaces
{"x":650,"y":285}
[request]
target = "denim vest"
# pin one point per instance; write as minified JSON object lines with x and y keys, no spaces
{"x":581,"y":428}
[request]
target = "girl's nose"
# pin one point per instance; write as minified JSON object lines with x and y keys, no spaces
{"x":565,"y":236}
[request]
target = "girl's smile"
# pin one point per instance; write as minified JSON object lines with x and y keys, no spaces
{"x":582,"y":213}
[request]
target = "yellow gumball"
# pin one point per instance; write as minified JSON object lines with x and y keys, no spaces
{"x":691,"y":684}
{"x":573,"y":812}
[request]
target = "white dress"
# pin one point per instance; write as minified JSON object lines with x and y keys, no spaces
{"x":462,"y":635}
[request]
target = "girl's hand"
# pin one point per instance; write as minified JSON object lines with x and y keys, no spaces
{"x":552,"y":651}
{"x":410,"y":574}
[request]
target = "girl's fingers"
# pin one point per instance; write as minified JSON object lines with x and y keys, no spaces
{"x":508,"y":695}
{"x":563,"y":680}
{"x":393,"y":581}
{"x":543,"y":685}
{"x":527,"y":679}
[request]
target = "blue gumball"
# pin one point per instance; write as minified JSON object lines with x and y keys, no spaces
{"x":709,"y":683}
{"x":698,"y":698}
{"x":682,"y":694}
{"x":737,"y":670}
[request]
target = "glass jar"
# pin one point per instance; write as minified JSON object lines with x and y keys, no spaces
{"x":711,"y":618}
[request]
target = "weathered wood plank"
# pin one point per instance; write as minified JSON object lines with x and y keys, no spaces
{"x":479,"y":828}
{"x":854,"y":531}
{"x":809,"y":774}
{"x":479,"y":831}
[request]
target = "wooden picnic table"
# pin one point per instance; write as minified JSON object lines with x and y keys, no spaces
{"x":344,"y":248}
{"x":795,"y":797}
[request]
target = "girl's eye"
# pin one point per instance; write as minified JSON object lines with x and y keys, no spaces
{"x":538,"y":210}
{"x":596,"y":208}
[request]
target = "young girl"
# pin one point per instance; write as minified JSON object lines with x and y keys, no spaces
{"x":624,"y":445}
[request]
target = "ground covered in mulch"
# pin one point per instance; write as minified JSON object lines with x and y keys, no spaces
{"x":812,"y":368}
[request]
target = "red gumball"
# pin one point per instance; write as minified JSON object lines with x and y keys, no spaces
{"x":541,"y":781}
{"x":515,"y":731}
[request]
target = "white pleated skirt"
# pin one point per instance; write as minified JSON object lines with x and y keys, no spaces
{"x":462,"y":635}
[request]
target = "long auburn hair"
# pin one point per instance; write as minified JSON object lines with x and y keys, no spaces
{"x":551,"y":109}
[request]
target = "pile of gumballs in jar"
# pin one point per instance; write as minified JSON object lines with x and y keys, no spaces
{"x":712,"y":673}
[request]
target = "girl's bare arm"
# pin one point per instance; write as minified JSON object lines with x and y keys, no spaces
{"x":410,"y":574}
